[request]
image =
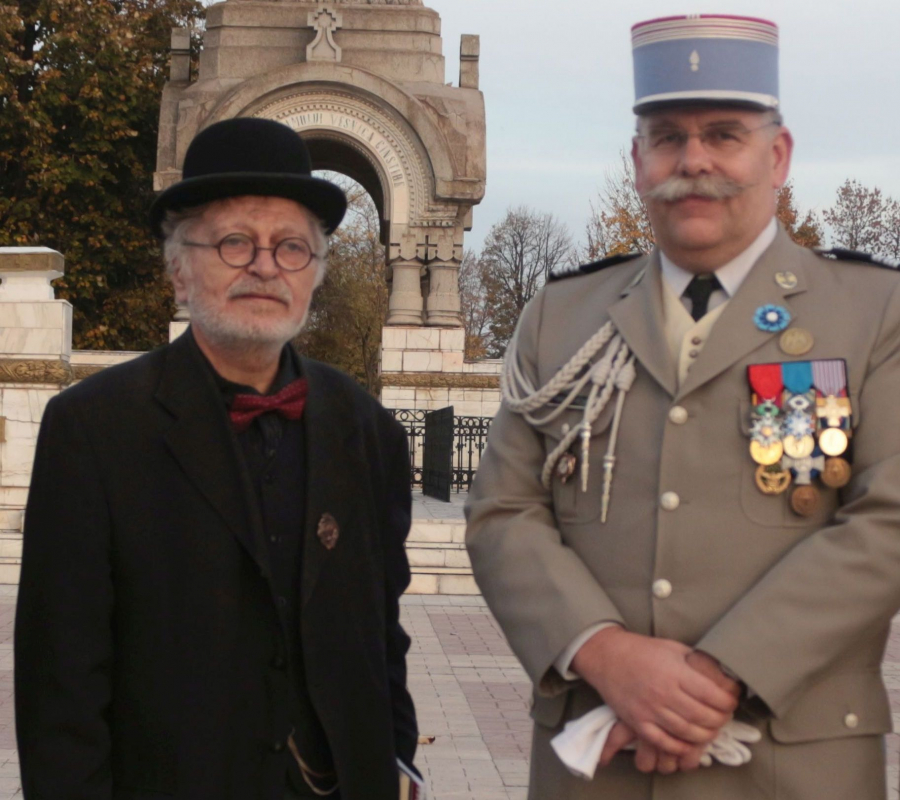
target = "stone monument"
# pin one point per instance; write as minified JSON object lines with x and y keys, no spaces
{"x":363,"y":81}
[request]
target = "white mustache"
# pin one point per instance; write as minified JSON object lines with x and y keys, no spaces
{"x":255,"y":287}
{"x":712,"y":187}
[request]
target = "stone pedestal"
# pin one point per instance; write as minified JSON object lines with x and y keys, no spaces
{"x":425,"y":369}
{"x":35,"y":354}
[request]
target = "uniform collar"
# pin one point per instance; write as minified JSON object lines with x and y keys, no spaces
{"x":730,"y":275}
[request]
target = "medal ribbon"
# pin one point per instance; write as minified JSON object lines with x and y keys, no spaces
{"x":797,"y":376}
{"x":766,"y":381}
{"x":830,"y":377}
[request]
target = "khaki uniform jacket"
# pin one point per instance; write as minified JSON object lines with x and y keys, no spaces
{"x":798,"y":607}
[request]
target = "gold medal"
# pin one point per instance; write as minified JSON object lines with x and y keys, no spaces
{"x":766,"y":454}
{"x":565,"y":467}
{"x":799,"y":446}
{"x":837,"y":473}
{"x":805,"y":500}
{"x":772,"y":479}
{"x":796,"y":341}
{"x":833,"y":441}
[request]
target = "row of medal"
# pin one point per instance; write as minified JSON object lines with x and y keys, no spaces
{"x":800,"y":429}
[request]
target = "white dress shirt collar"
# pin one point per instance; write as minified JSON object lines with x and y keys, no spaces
{"x":730,"y":275}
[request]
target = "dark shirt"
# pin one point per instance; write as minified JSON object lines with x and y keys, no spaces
{"x":274,"y":454}
{"x":274,"y":451}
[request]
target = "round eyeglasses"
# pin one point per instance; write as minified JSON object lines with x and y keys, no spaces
{"x":238,"y":250}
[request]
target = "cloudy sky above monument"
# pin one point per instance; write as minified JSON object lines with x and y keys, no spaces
{"x":557,"y":80}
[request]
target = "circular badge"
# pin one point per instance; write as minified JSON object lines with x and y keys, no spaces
{"x":799,"y":446}
{"x":833,"y":441}
{"x":837,"y":473}
{"x":565,"y":467}
{"x":766,"y":454}
{"x":786,"y":279}
{"x":771,"y":318}
{"x":805,"y":500}
{"x":772,"y":479}
{"x":796,"y":341}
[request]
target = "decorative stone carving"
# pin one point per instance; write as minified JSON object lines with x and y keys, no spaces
{"x":82,"y":371}
{"x":443,"y":380}
{"x":323,"y":48}
{"x":16,"y":370}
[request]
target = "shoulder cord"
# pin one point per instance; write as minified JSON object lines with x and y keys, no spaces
{"x":615,"y":370}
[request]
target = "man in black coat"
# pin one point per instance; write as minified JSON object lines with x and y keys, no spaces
{"x":214,"y":539}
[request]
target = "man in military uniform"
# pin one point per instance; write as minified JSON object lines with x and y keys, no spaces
{"x":688,"y":510}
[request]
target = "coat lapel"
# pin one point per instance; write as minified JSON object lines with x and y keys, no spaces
{"x":202,"y":442}
{"x":735,"y":334}
{"x":638,"y":316}
{"x":333,"y":465}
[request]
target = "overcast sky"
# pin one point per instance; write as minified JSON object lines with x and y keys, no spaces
{"x":557,"y":81}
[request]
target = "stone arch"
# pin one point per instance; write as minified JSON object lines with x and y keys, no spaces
{"x":403,"y":128}
{"x":360,"y":124}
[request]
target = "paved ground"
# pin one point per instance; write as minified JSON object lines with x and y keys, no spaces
{"x":470,"y":692}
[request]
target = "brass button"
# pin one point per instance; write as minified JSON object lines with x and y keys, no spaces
{"x":678,"y":415}
{"x":662,"y":589}
{"x":669,"y":501}
{"x":851,"y":720}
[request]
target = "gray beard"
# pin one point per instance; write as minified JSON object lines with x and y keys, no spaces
{"x":229,"y":333}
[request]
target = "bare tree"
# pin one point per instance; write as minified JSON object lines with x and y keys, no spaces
{"x":857,"y":218}
{"x":474,"y":305}
{"x":891,"y":238}
{"x":618,"y":221}
{"x":519,"y":254}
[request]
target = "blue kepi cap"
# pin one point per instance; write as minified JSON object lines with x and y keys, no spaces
{"x":705,"y":59}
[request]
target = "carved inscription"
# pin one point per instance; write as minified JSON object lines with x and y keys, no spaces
{"x":358,"y":128}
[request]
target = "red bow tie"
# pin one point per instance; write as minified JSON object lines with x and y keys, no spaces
{"x":288,"y":402}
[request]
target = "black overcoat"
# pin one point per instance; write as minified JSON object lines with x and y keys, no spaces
{"x":149,"y":653}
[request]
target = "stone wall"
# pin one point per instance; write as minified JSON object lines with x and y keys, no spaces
{"x":425,"y":368}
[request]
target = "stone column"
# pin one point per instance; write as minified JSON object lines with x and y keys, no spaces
{"x":35,"y":354}
{"x":443,"y":299}
{"x":405,"y":303}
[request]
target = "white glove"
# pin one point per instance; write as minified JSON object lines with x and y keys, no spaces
{"x":580,"y":743}
{"x":730,"y":746}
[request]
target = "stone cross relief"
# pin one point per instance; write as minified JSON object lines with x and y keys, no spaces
{"x":325,"y":21}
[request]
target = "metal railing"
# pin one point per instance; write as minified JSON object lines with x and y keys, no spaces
{"x":469,"y":441}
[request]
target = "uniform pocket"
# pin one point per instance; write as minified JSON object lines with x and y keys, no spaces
{"x":846,"y":704}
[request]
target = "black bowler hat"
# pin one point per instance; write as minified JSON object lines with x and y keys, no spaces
{"x":247,"y":156}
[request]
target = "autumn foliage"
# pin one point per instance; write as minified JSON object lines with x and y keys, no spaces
{"x":80,"y":84}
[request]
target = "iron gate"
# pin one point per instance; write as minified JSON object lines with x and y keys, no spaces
{"x":469,"y":440}
{"x":437,"y":454}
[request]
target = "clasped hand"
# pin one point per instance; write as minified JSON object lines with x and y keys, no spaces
{"x":670,"y":700}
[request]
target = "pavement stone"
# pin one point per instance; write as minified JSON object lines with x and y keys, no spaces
{"x":470,"y":692}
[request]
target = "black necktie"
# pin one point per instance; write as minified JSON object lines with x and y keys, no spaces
{"x":699,"y":290}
